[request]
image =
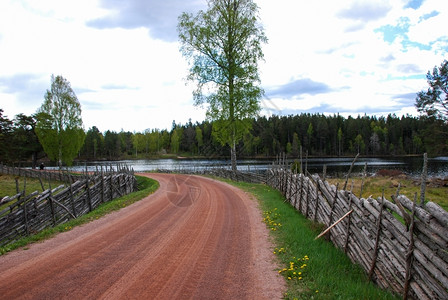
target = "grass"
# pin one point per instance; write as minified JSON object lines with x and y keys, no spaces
{"x":146,"y":186}
{"x":313,"y":269}
{"x":375,"y":185}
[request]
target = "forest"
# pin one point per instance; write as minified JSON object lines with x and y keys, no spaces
{"x":315,"y":134}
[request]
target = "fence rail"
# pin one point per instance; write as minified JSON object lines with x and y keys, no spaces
{"x":31,"y":213}
{"x":402,"y":246}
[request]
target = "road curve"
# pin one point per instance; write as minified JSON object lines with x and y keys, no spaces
{"x":194,"y":238}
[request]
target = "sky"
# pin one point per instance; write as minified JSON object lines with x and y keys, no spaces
{"x":122,"y":58}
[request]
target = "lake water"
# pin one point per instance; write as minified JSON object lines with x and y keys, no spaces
{"x":437,"y":167}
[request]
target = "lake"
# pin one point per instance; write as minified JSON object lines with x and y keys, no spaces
{"x":412,"y":166}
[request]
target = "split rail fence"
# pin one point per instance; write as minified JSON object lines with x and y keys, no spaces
{"x":402,"y":247}
{"x":33,"y":212}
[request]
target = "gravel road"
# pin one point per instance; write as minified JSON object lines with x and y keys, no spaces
{"x":194,"y":238}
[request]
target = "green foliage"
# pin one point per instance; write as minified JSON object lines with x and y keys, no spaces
{"x":223,"y":46}
{"x":93,"y":144}
{"x":25,"y":143}
{"x":6,"y":127}
{"x":59,"y":124}
{"x":331,"y":135}
{"x":175,"y":140}
{"x":434,"y":102}
{"x":389,"y":135}
{"x":296,"y":167}
{"x":199,"y":138}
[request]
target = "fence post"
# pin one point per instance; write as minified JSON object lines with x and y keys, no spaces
{"x":111,"y":186}
{"x":25,"y":212}
{"x":317,"y":200}
{"x":289,"y":186}
{"x":297,"y":189}
{"x":330,"y":217}
{"x":377,"y":238}
{"x":50,"y":201}
{"x":350,"y":171}
{"x":364,"y":174}
{"x":88,"y":194}
{"x":120,"y":183}
{"x":308,"y":183}
{"x":409,"y":252}
{"x":424,"y":176}
{"x":348,"y":223}
{"x":71,"y":197}
{"x":102,"y":185}
{"x":301,"y":192}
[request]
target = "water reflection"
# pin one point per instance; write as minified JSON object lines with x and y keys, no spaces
{"x":437,"y":167}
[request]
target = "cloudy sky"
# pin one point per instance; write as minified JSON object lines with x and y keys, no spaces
{"x":122,"y":57}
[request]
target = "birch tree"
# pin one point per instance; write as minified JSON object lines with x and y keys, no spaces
{"x":59,"y":124}
{"x":223,"y":47}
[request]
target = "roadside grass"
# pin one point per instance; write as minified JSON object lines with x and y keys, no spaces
{"x":146,"y":186}
{"x":313,"y":269}
{"x":373,"y":186}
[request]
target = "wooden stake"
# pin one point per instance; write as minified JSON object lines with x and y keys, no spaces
{"x":350,"y":171}
{"x":333,"y":206}
{"x":377,"y":238}
{"x":409,"y":253}
{"x":364,"y":174}
{"x":335,"y":223}
{"x":424,"y":176}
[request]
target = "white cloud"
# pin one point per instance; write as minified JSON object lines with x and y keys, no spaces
{"x":126,"y":68}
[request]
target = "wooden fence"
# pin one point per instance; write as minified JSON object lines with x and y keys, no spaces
{"x":33,"y":212}
{"x":41,"y":174}
{"x":402,"y":247}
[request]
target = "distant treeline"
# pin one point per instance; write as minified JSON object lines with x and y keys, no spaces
{"x":316,"y":134}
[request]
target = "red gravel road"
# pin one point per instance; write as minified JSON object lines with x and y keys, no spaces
{"x":193,"y":238}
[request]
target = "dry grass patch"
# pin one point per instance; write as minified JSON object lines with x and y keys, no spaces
{"x":373,"y":186}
